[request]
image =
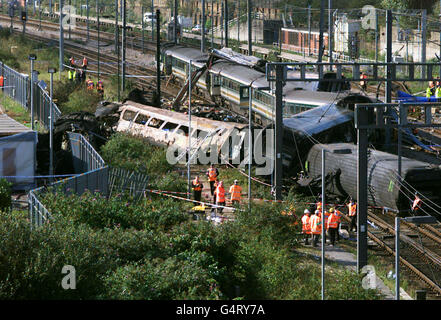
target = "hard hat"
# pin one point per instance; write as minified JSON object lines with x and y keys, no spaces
{"x":306,"y":211}
{"x":317,"y":212}
{"x":331,"y":210}
{"x":235,"y":181}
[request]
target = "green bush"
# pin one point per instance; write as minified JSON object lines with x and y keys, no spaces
{"x":133,"y":153}
{"x":120,"y":211}
{"x":81,"y":100}
{"x":184,"y":277}
{"x":5,"y":195}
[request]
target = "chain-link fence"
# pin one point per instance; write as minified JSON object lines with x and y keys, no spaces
{"x":84,"y":156}
{"x":15,"y":84}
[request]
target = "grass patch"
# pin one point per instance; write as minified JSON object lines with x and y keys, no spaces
{"x":14,"y":110}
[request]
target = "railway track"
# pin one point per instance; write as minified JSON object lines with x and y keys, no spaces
{"x":420,"y":250}
{"x":81,"y":33}
{"x":145,"y":78}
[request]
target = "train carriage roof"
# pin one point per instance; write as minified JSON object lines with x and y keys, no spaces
{"x":311,"y":97}
{"x":234,"y":71}
{"x":318,"y":119}
{"x":186,"y":54}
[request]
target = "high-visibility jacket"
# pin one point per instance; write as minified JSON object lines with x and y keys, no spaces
{"x":319,"y":206}
{"x":428,"y":92}
{"x":438,"y":92}
{"x":99,"y":85}
{"x":212,"y":174}
{"x":70,"y":75}
{"x":197,"y":186}
{"x":315,"y":223}
{"x":220,"y":194}
{"x":416,"y":203}
{"x":338,"y":214}
{"x":352,"y":209}
{"x":332,"y":221}
{"x":72,"y":62}
{"x":235,"y":192}
{"x":2,"y":81}
{"x":90,"y":84}
{"x":326,"y":216}
{"x":306,"y":227}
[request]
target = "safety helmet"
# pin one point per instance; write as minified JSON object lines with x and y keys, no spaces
{"x":317,"y":212}
{"x":331,"y":210}
{"x":235,"y":181}
{"x":306,"y":211}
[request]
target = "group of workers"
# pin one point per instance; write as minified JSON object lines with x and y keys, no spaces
{"x":78,"y":73}
{"x":217,"y":189}
{"x":433,"y":90}
{"x":312,"y":224}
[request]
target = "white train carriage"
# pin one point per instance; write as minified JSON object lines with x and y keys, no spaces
{"x":168,"y":128}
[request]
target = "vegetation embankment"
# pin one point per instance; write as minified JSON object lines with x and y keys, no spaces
{"x":152,"y":249}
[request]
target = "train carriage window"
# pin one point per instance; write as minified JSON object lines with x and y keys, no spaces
{"x":155,"y":123}
{"x":170,"y":126}
{"x":244,"y":92}
{"x":216,"y":80}
{"x":142,"y":119}
{"x":129,"y":115}
{"x":183,"y":130}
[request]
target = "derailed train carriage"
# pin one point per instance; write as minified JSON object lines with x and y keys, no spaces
{"x":170,"y":128}
{"x":331,"y":121}
{"x":227,"y":83}
{"x":384,"y":187}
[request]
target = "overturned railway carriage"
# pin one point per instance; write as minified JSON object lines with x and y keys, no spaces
{"x":331,"y":120}
{"x":384,"y":188}
{"x":169,"y":128}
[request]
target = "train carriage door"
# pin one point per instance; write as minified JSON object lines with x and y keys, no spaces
{"x":244,"y":97}
{"x":168,"y":64}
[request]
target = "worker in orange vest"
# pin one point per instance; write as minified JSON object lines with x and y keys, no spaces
{"x":197,"y":188}
{"x":235,"y":192}
{"x":326,"y":220}
{"x":84,"y":63}
{"x":316,"y":227}
{"x":72,"y":62}
{"x":319,"y":204}
{"x":212,"y":174}
{"x":220,"y":196}
{"x":89,"y":84}
{"x":306,"y":227}
{"x":332,"y":225}
{"x":352,"y":212}
{"x":100,"y":87}
{"x":2,"y":82}
{"x":339,"y":215}
{"x":416,"y":203}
